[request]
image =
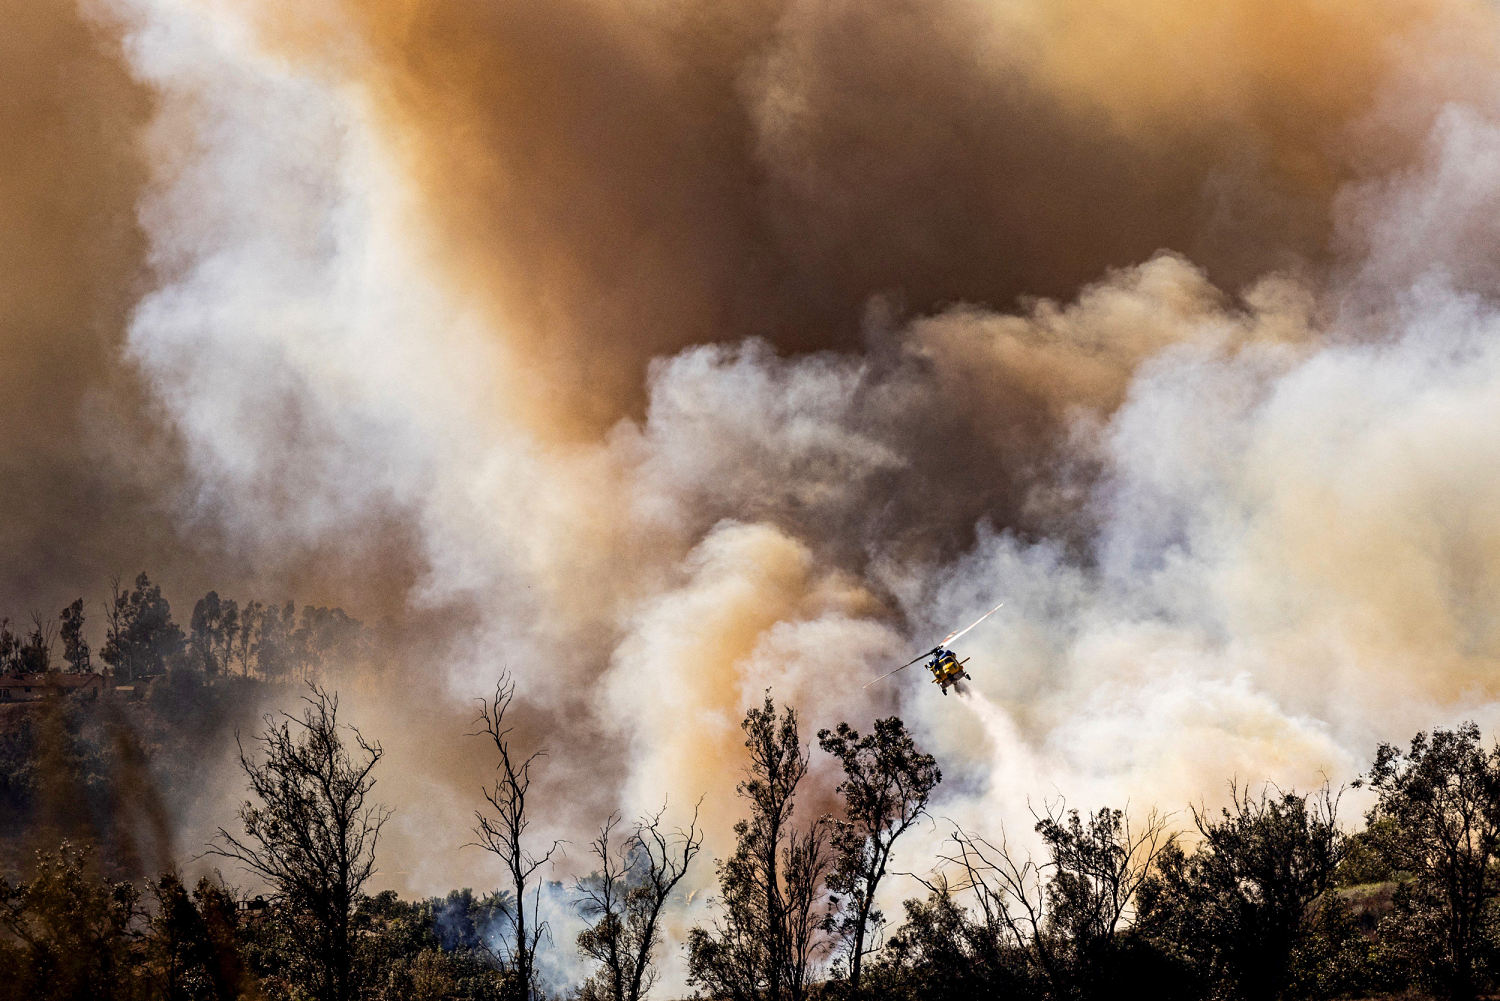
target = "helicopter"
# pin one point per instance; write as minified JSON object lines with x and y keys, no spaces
{"x":942,"y":663}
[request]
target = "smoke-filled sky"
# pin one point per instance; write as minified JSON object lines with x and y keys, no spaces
{"x":665,"y":352}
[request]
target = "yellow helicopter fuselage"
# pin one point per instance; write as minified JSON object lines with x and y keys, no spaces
{"x":947,"y":670}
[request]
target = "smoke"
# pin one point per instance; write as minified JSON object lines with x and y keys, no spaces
{"x":663,"y":354}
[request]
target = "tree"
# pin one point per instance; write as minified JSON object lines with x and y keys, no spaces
{"x":1438,"y":818}
{"x":311,"y":830}
{"x":1051,"y":927}
{"x":75,"y":647}
{"x":194,"y":954}
{"x":502,"y":832}
{"x":275,"y":653}
{"x":1242,"y":903}
{"x":243,"y":648}
{"x":1097,"y":868}
{"x":623,"y":902}
{"x":10,"y":647}
{"x":141,"y":640}
{"x":66,"y":933}
{"x":1008,"y":891}
{"x":29,"y":654}
{"x":942,"y":953}
{"x":887,"y":783}
{"x":207,"y":635}
{"x":766,"y":940}
{"x":328,"y":637}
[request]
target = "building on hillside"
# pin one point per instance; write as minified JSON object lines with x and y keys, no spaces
{"x":34,"y":687}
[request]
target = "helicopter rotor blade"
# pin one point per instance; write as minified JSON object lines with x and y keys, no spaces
{"x":903,"y":667}
{"x":957,"y":633}
{"x":946,"y":640}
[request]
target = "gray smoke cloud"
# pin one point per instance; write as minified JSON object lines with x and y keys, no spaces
{"x":669,"y":356}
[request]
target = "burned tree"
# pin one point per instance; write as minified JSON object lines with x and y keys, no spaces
{"x":311,"y":831}
{"x":502,"y":831}
{"x":887,"y":783}
{"x":624,"y":899}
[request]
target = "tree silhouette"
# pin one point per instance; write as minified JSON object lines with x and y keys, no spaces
{"x":766,"y":939}
{"x":502,"y":831}
{"x":310,"y":831}
{"x":887,"y":784}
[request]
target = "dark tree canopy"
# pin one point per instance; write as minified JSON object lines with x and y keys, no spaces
{"x":886,"y":787}
{"x":310,"y":831}
{"x":1438,"y":818}
{"x":1240,"y":905}
{"x":76,"y":652}
{"x":142,"y":641}
{"x":766,"y":940}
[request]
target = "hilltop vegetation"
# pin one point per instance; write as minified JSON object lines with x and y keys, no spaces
{"x":1274,"y":896}
{"x":1271,"y":897}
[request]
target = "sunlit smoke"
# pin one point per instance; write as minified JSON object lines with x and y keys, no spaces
{"x":666,"y":354}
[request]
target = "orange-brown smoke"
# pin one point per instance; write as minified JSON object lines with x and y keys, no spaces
{"x":665,"y":352}
{"x":618,"y":181}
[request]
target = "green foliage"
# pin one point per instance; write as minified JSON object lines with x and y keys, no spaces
{"x":194,"y":951}
{"x":401,"y":955}
{"x":1335,"y":957}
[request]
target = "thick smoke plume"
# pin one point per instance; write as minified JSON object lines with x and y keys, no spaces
{"x":667,"y":353}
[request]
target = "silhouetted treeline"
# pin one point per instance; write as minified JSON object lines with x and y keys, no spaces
{"x":222,"y":638}
{"x":1274,"y":896}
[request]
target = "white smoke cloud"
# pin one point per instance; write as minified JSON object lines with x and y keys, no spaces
{"x":1289,"y":549}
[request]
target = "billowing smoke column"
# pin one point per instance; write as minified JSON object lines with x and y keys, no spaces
{"x":680,"y":351}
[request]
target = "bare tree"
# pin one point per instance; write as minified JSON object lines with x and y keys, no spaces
{"x":502,"y":831}
{"x":311,"y":831}
{"x":624,"y":900}
{"x":1064,"y":913}
{"x":1009,"y":893}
